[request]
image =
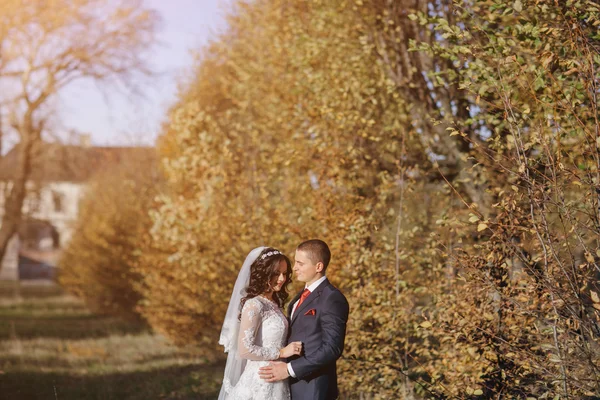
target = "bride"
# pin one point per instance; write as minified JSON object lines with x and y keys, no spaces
{"x":257,"y":334}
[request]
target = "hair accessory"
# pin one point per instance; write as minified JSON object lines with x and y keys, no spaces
{"x":269,"y":254}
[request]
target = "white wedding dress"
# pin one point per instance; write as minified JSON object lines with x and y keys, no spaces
{"x":263,"y":331}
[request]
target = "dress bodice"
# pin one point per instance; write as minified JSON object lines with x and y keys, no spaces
{"x":263,"y":332}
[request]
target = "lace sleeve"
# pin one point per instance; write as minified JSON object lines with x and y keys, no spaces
{"x":248,"y":345}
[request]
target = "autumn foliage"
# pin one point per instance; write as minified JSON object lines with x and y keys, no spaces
{"x":45,"y":46}
{"x":448,"y":153}
{"x":99,"y":263}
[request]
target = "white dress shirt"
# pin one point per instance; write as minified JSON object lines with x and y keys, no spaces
{"x":312,"y":288}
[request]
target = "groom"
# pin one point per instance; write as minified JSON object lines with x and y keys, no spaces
{"x":318,"y":317}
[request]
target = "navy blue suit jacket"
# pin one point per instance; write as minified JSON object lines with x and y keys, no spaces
{"x":320,"y":324}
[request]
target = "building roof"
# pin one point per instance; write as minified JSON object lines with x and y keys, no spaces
{"x":53,"y":162}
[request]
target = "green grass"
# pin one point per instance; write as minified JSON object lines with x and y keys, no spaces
{"x":52,"y":347}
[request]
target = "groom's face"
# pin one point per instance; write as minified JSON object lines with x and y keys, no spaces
{"x":305,"y":269}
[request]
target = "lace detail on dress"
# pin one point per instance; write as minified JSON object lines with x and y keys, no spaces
{"x":251,"y":314}
{"x":260,"y":338}
{"x":263,"y":330}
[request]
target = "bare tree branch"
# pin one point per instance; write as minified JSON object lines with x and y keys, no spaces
{"x":45,"y":47}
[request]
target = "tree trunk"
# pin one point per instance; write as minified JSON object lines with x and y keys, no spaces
{"x":16,"y":196}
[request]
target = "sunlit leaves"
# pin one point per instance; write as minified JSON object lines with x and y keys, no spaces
{"x":440,"y":173}
{"x":44,"y":47}
{"x":99,"y":263}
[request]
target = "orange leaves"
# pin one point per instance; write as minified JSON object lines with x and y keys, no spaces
{"x":291,"y":130}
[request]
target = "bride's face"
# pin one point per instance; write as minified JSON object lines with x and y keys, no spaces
{"x":279,"y":279}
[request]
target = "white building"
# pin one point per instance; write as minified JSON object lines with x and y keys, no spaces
{"x":58,"y":181}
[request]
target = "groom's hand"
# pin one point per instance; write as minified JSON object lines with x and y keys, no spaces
{"x":274,"y":372}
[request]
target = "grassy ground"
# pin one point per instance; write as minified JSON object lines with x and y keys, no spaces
{"x":52,"y":347}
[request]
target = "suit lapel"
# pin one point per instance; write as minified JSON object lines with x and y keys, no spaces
{"x":311,"y":297}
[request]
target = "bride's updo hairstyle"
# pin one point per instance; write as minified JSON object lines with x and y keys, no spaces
{"x":262,"y":271}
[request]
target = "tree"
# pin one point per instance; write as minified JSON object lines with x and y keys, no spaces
{"x":46,"y":46}
{"x":99,"y":263}
{"x":238,"y":140}
{"x":448,"y":153}
{"x":533,"y":270}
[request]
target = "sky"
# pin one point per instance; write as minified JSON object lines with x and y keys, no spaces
{"x":112,"y":115}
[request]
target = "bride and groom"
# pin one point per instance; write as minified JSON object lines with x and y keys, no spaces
{"x":271,"y":356}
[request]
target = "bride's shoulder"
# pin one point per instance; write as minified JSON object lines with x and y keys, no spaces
{"x":253,"y":304}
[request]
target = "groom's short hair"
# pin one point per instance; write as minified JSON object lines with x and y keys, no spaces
{"x":317,"y":250}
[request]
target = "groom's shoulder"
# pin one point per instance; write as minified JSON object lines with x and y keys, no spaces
{"x":331,"y":287}
{"x":336,"y":299}
{"x":334,"y":291}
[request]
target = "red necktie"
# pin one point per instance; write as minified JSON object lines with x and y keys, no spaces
{"x":303,"y":296}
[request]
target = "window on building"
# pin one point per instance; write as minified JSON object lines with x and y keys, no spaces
{"x":32,"y":202}
{"x":58,"y":201}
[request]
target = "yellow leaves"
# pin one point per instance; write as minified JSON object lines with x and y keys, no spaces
{"x":98,"y":263}
{"x":473,"y":352}
{"x":589,"y":258}
{"x":523,"y":298}
{"x":554,"y":358}
{"x":571,"y":71}
{"x":518,"y":6}
{"x":595,"y":299}
{"x":278,"y":173}
{"x":470,"y":391}
{"x":426,"y":325}
{"x":547,"y":60}
{"x":318,"y":140}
